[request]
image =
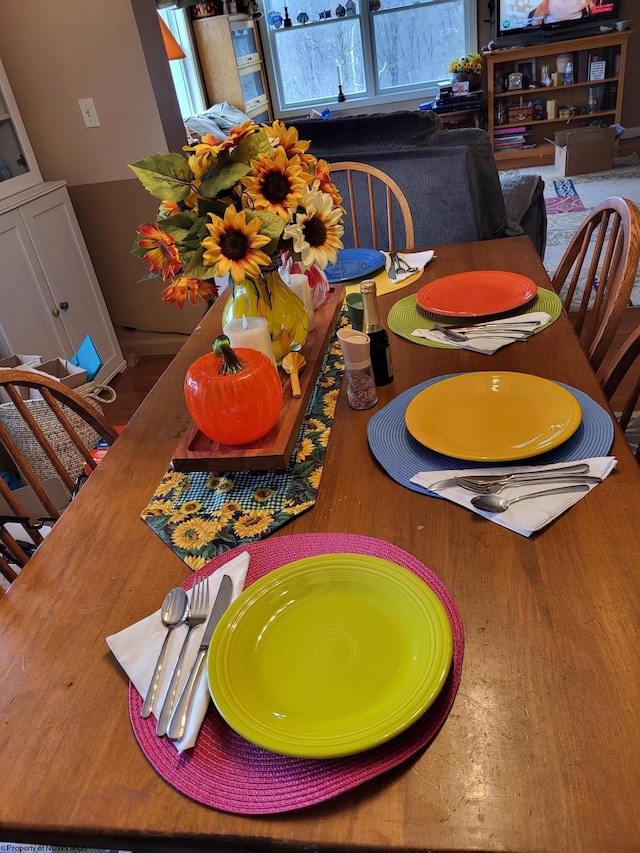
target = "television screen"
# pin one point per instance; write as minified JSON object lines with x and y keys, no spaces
{"x":518,"y":18}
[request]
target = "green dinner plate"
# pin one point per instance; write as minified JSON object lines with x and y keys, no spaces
{"x":329,"y":656}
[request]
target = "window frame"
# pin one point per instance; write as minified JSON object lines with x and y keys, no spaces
{"x":405,"y":97}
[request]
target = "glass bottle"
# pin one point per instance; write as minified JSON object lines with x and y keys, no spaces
{"x":568,"y":74}
{"x":287,"y":20}
{"x":380,"y":347}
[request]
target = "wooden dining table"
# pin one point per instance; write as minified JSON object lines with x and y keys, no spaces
{"x":541,"y":749}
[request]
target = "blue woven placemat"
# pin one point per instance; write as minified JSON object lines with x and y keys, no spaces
{"x":402,"y":457}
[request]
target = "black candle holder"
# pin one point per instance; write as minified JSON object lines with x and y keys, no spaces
{"x":341,"y":95}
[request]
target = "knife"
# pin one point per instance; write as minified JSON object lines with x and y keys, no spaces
{"x":178,"y":722}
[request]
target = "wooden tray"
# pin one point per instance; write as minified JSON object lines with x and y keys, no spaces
{"x":196,"y":452}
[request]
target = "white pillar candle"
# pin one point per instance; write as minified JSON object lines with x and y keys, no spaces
{"x":299,"y":283}
{"x":250,"y":333}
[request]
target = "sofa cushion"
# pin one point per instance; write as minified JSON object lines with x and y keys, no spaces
{"x":449,"y":177}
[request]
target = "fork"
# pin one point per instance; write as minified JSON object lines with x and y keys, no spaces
{"x":495,"y":488}
{"x":198,"y":610}
{"x":400,"y":265}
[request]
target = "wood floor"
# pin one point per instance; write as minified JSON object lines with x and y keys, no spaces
{"x":133,"y":385}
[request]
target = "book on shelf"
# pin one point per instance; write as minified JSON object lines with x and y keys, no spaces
{"x":509,"y":131}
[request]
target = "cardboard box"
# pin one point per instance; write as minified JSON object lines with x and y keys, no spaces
{"x":583,"y":150}
{"x":67,"y":373}
{"x":27,"y":497}
{"x":18,"y":362}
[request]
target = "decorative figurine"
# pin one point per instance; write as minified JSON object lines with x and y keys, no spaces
{"x":302,"y":18}
{"x":287,"y":20}
{"x":275,"y":19}
{"x":324,"y":15}
{"x":351,"y":7}
{"x":375,"y":5}
{"x":340,"y":11}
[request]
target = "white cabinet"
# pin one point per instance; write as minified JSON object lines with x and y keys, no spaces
{"x":50,"y":298}
{"x":18,"y":167}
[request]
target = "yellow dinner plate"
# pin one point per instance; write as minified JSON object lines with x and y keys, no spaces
{"x":493,"y":416}
{"x":329,"y":655}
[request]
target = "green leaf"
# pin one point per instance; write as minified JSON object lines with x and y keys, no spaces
{"x":166,"y":176}
{"x":211,"y":205}
{"x":196,"y":268}
{"x":223,"y":178}
{"x":249,"y":148}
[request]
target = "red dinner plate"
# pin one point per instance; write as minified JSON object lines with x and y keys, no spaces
{"x":476,"y":294}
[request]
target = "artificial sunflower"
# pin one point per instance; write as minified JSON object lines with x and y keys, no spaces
{"x":234,"y":245}
{"x":159,"y":250}
{"x":224,"y":208}
{"x":287,"y":137}
{"x":276,"y":183}
{"x":183,"y":288}
{"x":316,"y":231}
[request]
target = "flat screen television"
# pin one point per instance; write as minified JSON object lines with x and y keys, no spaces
{"x":552,"y":19}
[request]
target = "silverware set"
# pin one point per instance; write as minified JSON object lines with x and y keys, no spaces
{"x":198,"y":610}
{"x":491,"y":484}
{"x":398,"y":265}
{"x":460,"y":334}
{"x":176,"y":610}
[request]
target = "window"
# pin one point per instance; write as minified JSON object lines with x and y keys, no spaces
{"x":185,"y":72}
{"x":398,"y":52}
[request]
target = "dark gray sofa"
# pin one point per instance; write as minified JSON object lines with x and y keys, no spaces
{"x":449,"y":177}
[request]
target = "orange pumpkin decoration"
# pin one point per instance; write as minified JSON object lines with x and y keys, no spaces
{"x":234,"y":397}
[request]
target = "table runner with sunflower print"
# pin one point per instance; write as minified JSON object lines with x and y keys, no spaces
{"x":200,"y":515}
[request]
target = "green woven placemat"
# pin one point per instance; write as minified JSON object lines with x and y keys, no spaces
{"x":405,"y":316}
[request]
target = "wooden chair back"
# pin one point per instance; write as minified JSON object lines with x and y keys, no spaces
{"x":35,"y":429}
{"x":391,"y":197}
{"x":625,"y":372}
{"x":602,"y":258}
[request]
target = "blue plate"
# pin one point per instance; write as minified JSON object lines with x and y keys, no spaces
{"x":354,"y":263}
{"x":402,"y":456}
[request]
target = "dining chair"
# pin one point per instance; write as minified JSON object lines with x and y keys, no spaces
{"x":597,"y":272}
{"x":624,"y":374}
{"x":371,"y":191}
{"x":46,"y":434}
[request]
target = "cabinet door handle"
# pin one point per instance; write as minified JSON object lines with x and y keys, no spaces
{"x":64,"y":306}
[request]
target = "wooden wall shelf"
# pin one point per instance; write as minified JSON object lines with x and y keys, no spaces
{"x":533,"y":149}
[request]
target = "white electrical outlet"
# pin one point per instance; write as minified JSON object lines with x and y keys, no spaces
{"x":89,"y":114}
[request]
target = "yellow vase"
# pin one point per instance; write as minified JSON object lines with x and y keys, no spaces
{"x":268,"y":296}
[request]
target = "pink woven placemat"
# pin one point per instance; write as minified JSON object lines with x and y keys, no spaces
{"x":227,"y":772}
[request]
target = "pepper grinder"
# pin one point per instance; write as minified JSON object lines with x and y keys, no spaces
{"x":361,"y":386}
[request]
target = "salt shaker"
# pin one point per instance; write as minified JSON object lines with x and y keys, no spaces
{"x":361,"y":386}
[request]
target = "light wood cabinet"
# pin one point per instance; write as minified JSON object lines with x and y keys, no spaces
{"x":520,"y":121}
{"x":50,"y":296}
{"x":231,"y":60}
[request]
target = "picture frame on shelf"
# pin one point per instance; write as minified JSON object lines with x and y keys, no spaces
{"x":527,"y":67}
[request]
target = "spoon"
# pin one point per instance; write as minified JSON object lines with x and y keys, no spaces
{"x":173,"y":613}
{"x":494,"y":488}
{"x":293,"y":363}
{"x":492,"y":503}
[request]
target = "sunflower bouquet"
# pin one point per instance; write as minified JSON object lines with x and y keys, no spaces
{"x":470,"y":64}
{"x":235,"y":207}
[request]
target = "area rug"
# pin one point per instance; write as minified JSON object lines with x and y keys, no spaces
{"x":565,"y":200}
{"x":562,"y":223}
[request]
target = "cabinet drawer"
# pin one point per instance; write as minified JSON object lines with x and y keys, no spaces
{"x":243,"y":39}
{"x":251,"y":82}
{"x":255,"y":105}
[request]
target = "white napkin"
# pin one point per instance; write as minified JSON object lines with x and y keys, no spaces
{"x":524,"y":517}
{"x":137,"y":648}
{"x":417,"y":260}
{"x":484,"y":343}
